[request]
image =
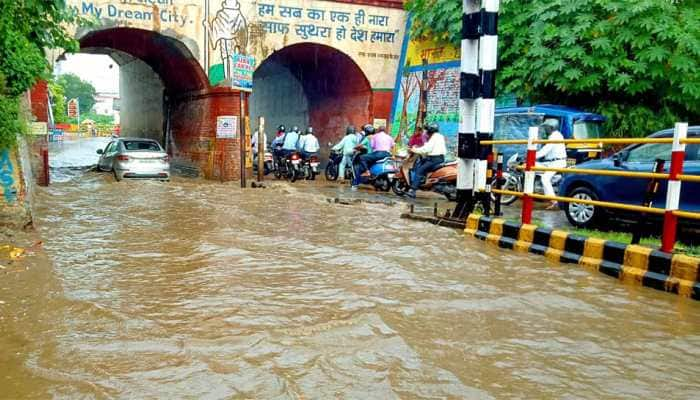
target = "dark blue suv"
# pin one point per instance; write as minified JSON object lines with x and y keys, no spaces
{"x":635,"y":158}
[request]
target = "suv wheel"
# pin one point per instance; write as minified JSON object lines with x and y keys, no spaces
{"x":582,"y":215}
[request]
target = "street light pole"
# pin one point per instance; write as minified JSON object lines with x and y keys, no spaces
{"x":243,"y":138}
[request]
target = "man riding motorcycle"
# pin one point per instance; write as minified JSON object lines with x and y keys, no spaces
{"x":346,"y":147}
{"x":433,"y":153}
{"x":380,"y":143}
{"x":308,"y":144}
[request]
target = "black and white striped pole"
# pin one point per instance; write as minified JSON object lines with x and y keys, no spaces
{"x":486,"y":104}
{"x":470,"y":90}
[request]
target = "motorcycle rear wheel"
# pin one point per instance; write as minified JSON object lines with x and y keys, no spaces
{"x":293,"y":175}
{"x":382,"y":184}
{"x":399,"y":188}
{"x":331,"y":171}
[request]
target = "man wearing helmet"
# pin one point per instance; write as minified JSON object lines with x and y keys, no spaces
{"x":308,"y":143}
{"x":380,"y":143}
{"x":553,"y":155}
{"x":277,"y":142}
{"x":291,"y":141}
{"x":433,"y":155}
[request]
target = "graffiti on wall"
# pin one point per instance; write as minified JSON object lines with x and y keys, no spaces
{"x":428,"y":96}
{"x":7,"y":177}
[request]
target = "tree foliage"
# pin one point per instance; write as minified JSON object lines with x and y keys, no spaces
{"x":635,"y":61}
{"x":27,"y":27}
{"x":74,"y":87}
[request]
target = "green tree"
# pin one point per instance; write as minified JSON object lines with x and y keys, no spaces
{"x":58,"y":102}
{"x":74,"y":87}
{"x":27,"y":27}
{"x":635,"y":61}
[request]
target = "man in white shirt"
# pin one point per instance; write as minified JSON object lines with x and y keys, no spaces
{"x":433,"y":153}
{"x":308,"y":144}
{"x":553,"y":155}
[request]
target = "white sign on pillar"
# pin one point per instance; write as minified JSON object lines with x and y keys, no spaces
{"x":226,"y":127}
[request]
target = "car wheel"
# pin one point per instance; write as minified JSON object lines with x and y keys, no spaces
{"x":582,"y":215}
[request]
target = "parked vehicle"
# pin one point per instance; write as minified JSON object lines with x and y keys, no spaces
{"x":634,"y":158}
{"x":334,"y":160}
{"x":268,"y":163}
{"x":309,"y":168}
{"x":134,"y":158}
{"x":513,"y":123}
{"x":514,"y":180}
{"x":381,"y":174}
{"x":443,"y":180}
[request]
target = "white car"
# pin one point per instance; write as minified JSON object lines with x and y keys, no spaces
{"x":134,"y":158}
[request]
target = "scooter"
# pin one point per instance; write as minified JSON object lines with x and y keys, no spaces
{"x":333,"y":165}
{"x":268,"y":163}
{"x":443,"y":180}
{"x":381,"y":174}
{"x":514,"y":180}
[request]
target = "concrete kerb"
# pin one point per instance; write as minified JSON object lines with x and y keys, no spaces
{"x":637,"y":265}
{"x":631,"y":264}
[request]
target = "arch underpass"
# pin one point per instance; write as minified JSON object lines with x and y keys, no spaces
{"x":311,"y":84}
{"x":166,"y":96}
{"x":154,"y":70}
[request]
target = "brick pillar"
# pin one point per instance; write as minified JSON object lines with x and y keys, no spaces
{"x":193,"y":122}
{"x":39,"y":97}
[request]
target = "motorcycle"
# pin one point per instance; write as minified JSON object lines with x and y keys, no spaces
{"x":309,"y":167}
{"x":268,"y":163}
{"x":443,"y":180}
{"x":334,"y":160}
{"x":514,"y":180}
{"x":381,"y":174}
{"x":288,"y":167}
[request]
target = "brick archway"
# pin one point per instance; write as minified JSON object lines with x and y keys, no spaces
{"x":312,"y":84}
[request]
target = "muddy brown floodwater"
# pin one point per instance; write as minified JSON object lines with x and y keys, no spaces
{"x":199,"y":290}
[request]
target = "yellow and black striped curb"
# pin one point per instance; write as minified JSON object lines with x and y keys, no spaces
{"x":633,"y":264}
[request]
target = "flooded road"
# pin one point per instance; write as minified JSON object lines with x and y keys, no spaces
{"x":199,"y":290}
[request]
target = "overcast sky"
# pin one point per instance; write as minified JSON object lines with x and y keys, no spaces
{"x":100,"y":70}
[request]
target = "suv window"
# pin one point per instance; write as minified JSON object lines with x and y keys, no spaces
{"x":650,"y":152}
{"x":141,"y":145}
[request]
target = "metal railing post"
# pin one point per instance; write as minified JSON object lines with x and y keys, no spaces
{"x":529,"y":186}
{"x":673,"y":195}
{"x":499,"y":184}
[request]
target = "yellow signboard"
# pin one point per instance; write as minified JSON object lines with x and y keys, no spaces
{"x":430,"y":52}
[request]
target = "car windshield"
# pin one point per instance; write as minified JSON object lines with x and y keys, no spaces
{"x":141,"y":145}
{"x":587,"y":129}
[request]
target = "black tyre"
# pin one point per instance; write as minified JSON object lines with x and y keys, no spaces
{"x":332,"y":171}
{"x":399,"y":188}
{"x":293,"y":175}
{"x":382,"y":184}
{"x":582,"y":215}
{"x":511,"y":184}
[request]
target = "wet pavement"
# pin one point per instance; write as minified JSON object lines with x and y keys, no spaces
{"x":200,"y":290}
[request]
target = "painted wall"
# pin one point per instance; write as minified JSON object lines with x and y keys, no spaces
{"x":213,"y":30}
{"x":430,"y":71}
{"x":10,"y":181}
{"x":141,"y":91}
